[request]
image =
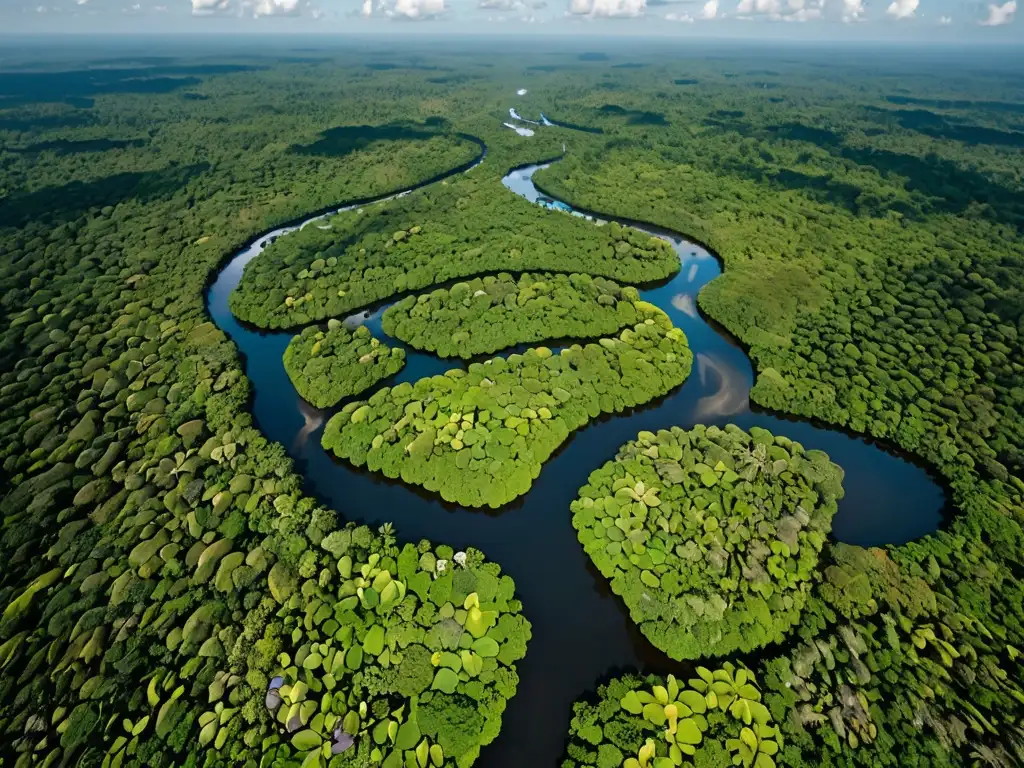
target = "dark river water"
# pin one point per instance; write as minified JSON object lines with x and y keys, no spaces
{"x":581,"y":631}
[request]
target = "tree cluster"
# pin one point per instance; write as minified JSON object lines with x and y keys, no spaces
{"x":480,"y":436}
{"x":467,"y":226}
{"x":327,"y":366}
{"x":491,"y":313}
{"x":715,"y":718}
{"x":711,"y":536}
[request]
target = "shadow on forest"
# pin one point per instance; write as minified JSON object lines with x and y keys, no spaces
{"x":945,"y":186}
{"x":995,"y":106}
{"x":940,"y":127}
{"x":686,"y":81}
{"x":454,"y":79}
{"x":76,"y":86}
{"x":69,"y":147}
{"x":385,"y":66}
{"x":69,"y":201}
{"x":939,"y":185}
{"x":29,"y":122}
{"x":823,"y":188}
{"x":346,"y":139}
{"x":138,"y":60}
{"x":800,"y":132}
{"x":635,"y":116}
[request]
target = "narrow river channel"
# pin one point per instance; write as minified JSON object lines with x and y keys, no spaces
{"x":581,"y":631}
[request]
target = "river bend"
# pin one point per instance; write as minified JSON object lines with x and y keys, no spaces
{"x":581,"y":631}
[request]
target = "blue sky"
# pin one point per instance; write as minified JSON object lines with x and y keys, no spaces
{"x":949,"y":21}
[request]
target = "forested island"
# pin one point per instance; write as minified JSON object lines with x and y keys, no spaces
{"x":328,"y":366}
{"x":492,"y":313}
{"x":479,"y":437}
{"x":186,"y":584}
{"x":710,"y":536}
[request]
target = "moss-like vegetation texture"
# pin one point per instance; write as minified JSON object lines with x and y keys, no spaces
{"x":328,"y":366}
{"x":479,"y":437}
{"x":491,"y":313}
{"x":160,"y":564}
{"x":464,"y":227}
{"x":401,"y":654}
{"x":714,"y":719}
{"x":711,"y":536}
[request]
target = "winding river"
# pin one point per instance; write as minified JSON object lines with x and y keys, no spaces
{"x":581,"y":632}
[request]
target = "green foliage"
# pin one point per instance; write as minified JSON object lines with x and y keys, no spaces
{"x":462,"y":228}
{"x":328,"y":366}
{"x":711,"y":536}
{"x":479,"y":437}
{"x":662,"y":723}
{"x":487,"y":314}
{"x":873,"y":268}
{"x":160,"y":565}
{"x":346,"y":657}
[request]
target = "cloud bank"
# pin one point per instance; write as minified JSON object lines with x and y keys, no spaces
{"x":781,"y":10}
{"x":608,"y":8}
{"x":903,"y":9}
{"x":998,"y":15}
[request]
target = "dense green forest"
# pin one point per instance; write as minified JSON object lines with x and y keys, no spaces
{"x":874,"y":268}
{"x":491,"y":313}
{"x":328,"y":366}
{"x":169,"y":592}
{"x":171,"y":595}
{"x":458,"y":228}
{"x":480,"y":436}
{"x":716,"y":718}
{"x":710,"y":536}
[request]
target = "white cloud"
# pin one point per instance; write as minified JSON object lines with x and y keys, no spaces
{"x":607,"y":8}
{"x":685,"y":18}
{"x":416,"y":9}
{"x":853,"y":10}
{"x":804,"y":14}
{"x":945,"y":21}
{"x":781,"y":10}
{"x":367,"y":8}
{"x":751,"y":7}
{"x":1000,"y":14}
{"x":276,"y":8}
{"x":710,"y":9}
{"x":501,"y":5}
{"x":903,"y":9}
{"x":208,"y":7}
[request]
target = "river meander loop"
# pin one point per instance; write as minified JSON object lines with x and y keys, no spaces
{"x":581,"y":631}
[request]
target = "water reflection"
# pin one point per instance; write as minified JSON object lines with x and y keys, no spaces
{"x":313,"y":419}
{"x":731,"y":396}
{"x":684,"y":303}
